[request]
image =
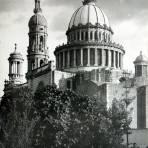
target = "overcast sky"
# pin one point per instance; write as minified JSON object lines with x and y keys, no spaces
{"x":128,"y":19}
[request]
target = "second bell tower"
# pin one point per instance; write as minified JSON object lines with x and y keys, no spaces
{"x":37,"y":50}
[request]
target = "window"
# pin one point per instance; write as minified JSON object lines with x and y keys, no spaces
{"x":66,"y":59}
{"x":91,"y":35}
{"x":33,"y":65}
{"x":82,"y":35}
{"x":99,"y":57}
{"x":41,"y":63}
{"x":92,"y":56}
{"x":112,"y":58}
{"x":138,"y":70}
{"x":74,"y":36}
{"x":68,"y":84}
{"x":86,"y":36}
{"x":117,"y":60}
{"x":96,"y":35}
{"x":120,"y":60}
{"x":72,"y":58}
{"x":106,"y":59}
{"x":61,"y":59}
{"x":100,"y":36}
{"x":18,"y":67}
{"x":85,"y":57}
{"x":78,"y":36}
{"x":78,"y":57}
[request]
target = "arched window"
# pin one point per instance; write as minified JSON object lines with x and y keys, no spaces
{"x":104,"y":36}
{"x":33,"y":65}
{"x":92,"y":56}
{"x":100,"y":36}
{"x":18,"y":67}
{"x":41,"y":39}
{"x":41,"y":63}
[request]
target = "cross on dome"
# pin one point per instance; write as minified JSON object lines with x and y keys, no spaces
{"x":85,"y":2}
{"x":15,"y":47}
{"x":37,"y":7}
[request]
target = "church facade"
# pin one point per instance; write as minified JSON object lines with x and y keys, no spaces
{"x":90,"y":63}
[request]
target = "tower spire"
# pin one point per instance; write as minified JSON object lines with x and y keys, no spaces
{"x":37,"y":7}
{"x":15,"y":49}
{"x":85,"y":2}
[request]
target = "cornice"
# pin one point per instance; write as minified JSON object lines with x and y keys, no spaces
{"x":84,"y":43}
{"x":87,"y":26}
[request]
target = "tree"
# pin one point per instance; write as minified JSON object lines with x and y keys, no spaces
{"x":69,"y":120}
{"x":15,"y":110}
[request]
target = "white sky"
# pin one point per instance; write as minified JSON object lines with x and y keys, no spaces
{"x":128,"y":19}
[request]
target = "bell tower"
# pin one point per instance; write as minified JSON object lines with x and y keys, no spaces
{"x":37,"y":49}
{"x":15,"y":67}
{"x":141,"y":66}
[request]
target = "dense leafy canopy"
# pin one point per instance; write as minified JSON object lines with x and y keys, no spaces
{"x":62,"y":119}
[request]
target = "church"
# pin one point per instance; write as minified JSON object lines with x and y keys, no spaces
{"x":90,"y":63}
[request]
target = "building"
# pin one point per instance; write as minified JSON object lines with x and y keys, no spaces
{"x":90,"y":62}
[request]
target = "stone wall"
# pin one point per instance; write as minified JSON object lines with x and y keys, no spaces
{"x":142,"y":107}
{"x":140,"y":137}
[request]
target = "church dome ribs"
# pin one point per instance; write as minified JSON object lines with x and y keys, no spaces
{"x":87,"y":14}
{"x":38,"y":19}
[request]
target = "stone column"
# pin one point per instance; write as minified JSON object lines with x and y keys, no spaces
{"x":88,"y":35}
{"x":68,"y":60}
{"x":15,"y":68}
{"x":93,"y":33}
{"x":10,"y":68}
{"x":103,"y":57}
{"x":121,"y":61}
{"x":88,"y":57}
{"x":80,"y":34}
{"x":56,"y":62}
{"x":96,"y":57}
{"x":63,"y":59}
{"x":81,"y":56}
{"x":18,"y":68}
{"x":84,"y":35}
{"x":114,"y":59}
{"x":60,"y":61}
{"x":109,"y":58}
{"x":117,"y":60}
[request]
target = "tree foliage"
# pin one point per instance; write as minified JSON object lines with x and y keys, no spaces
{"x":15,"y":109}
{"x":69,"y":120}
{"x":60,"y":119}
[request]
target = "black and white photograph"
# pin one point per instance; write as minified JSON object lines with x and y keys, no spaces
{"x":73,"y":74}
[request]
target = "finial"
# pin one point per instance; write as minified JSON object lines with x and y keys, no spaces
{"x":141,"y":53}
{"x":15,"y":47}
{"x":85,"y":2}
{"x":37,"y":7}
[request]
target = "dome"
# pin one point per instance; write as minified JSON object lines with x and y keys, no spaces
{"x":89,"y":13}
{"x":141,"y":58}
{"x":38,"y":19}
{"x":16,"y":54}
